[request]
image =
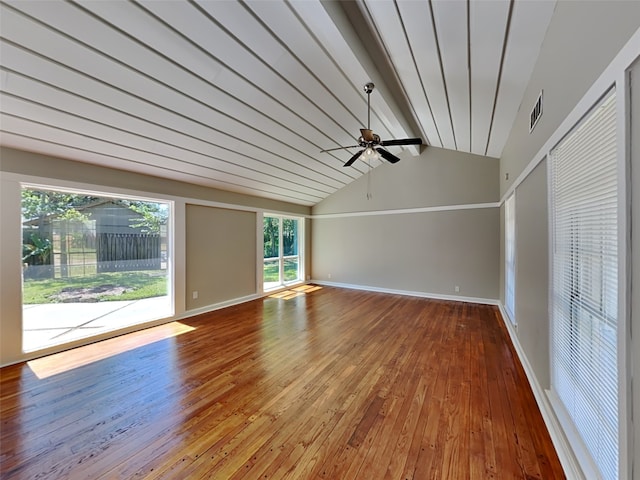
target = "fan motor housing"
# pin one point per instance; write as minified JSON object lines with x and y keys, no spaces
{"x":364,"y":144}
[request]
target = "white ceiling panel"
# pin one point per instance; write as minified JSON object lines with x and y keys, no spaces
{"x":185,"y":93}
{"x":310,"y":65}
{"x":393,"y":35}
{"x":48,"y":147}
{"x":417,"y":20}
{"x":119,"y":103}
{"x":529,"y":22}
{"x":488,"y":25}
{"x":192,"y":153}
{"x":340,"y":49}
{"x":243,"y":95}
{"x":451,"y":26}
{"x":143,"y":158}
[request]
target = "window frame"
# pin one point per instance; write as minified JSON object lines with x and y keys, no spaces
{"x":281,"y":258}
{"x":174,"y":283}
{"x":510,"y":241}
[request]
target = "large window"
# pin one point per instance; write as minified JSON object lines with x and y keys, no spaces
{"x":584,"y":294}
{"x":91,"y":264}
{"x":281,"y":246}
{"x":510,"y":256}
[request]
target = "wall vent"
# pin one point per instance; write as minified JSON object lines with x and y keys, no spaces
{"x":536,"y":113}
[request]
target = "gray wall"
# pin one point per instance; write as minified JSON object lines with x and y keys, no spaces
{"x":532,"y":271}
{"x":221,"y":255}
{"x":428,"y":252}
{"x":501,"y":256}
{"x":436,"y":177}
{"x":235,"y":285}
{"x":635,"y":249}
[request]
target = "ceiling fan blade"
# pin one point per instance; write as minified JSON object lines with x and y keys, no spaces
{"x":338,"y":148}
{"x":353,"y":159}
{"x":367,"y":134}
{"x":402,"y":141}
{"x":389,"y":157}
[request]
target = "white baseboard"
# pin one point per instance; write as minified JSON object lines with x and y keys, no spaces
{"x":435,"y":296}
{"x":567,"y":458}
{"x":218,"y":306}
{"x":235,"y":301}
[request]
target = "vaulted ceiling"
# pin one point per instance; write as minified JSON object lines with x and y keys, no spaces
{"x":243,"y":95}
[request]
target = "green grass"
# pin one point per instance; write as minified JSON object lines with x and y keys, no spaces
{"x":144,"y":284}
{"x":270,"y":272}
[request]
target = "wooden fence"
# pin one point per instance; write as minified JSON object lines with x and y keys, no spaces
{"x":117,"y":252}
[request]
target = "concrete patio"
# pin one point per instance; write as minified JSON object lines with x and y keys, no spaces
{"x":55,"y":323}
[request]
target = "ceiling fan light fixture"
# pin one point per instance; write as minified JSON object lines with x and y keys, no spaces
{"x":370,"y":142}
{"x":370,"y":153}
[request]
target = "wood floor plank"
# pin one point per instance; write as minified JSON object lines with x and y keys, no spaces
{"x":330,"y":384}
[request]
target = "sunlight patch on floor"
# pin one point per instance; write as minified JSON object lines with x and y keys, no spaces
{"x":77,"y":357}
{"x":295,"y":292}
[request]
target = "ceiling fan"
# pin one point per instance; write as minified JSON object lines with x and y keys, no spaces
{"x":370,"y":142}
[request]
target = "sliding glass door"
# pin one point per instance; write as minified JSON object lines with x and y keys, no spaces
{"x":281,"y":247}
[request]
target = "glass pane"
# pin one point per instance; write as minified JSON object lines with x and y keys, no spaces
{"x":271,"y":237}
{"x":271,"y":273}
{"x":289,"y":237}
{"x":86,"y":261}
{"x":291,"y":269}
{"x":280,"y":247}
{"x":510,"y":277}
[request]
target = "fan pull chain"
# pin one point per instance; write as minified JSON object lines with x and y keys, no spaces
{"x":369,"y":194}
{"x":368,"y":110}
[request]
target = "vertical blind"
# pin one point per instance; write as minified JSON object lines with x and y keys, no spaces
{"x":584,"y":290}
{"x":510,"y":256}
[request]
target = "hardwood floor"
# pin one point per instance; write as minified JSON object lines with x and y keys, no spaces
{"x":329,"y":384}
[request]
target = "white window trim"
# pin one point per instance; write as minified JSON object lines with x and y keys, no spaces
{"x":510,"y":267}
{"x":623,"y":109}
{"x":175,"y":248}
{"x":260,"y":251}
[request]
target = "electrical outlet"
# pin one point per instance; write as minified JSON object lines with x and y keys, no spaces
{"x":457,"y":289}
{"x":194,"y":294}
{"x":328,"y":275}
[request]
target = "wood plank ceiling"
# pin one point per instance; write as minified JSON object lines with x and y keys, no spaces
{"x":243,"y":95}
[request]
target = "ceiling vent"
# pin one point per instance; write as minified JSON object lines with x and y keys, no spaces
{"x":536,"y":113}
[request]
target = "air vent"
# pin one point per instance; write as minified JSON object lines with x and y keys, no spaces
{"x":536,"y":113}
